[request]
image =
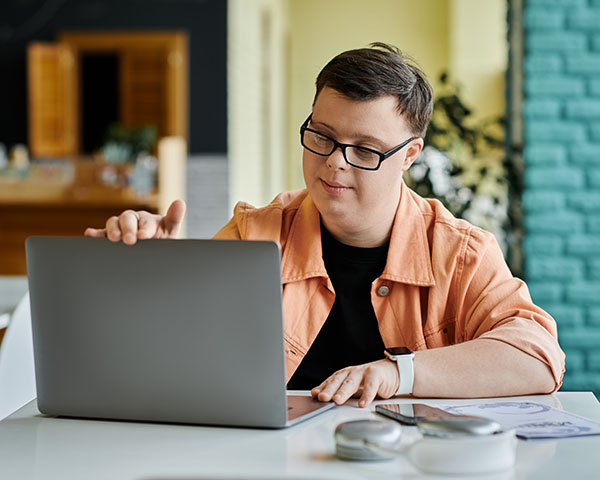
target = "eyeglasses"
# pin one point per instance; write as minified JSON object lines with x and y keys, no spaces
{"x":359,"y":157}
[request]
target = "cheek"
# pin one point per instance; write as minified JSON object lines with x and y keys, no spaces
{"x":381,"y":188}
{"x":305,"y":169}
{"x":392,"y":172}
{"x":309,"y":168}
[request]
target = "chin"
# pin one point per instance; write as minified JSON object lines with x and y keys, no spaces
{"x":337,"y":213}
{"x":331,"y":206}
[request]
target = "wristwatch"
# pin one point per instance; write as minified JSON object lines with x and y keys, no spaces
{"x":404,"y":359}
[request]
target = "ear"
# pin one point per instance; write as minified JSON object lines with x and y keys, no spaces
{"x":412,"y":152}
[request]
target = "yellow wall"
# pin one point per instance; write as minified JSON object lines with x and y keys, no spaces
{"x":478,"y":53}
{"x":320,"y":29}
{"x":465,"y":36}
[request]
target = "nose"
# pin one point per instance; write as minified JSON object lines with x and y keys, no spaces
{"x":336,"y":160}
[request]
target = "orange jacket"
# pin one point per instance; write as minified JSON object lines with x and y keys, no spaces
{"x":447,"y":281}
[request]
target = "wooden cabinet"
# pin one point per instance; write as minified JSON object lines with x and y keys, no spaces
{"x":53,"y":100}
{"x":152,"y":86}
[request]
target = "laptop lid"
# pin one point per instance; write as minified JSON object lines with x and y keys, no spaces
{"x":184,"y":331}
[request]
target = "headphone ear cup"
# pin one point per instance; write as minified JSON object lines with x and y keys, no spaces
{"x":367,"y":440}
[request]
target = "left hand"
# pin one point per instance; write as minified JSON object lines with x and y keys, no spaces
{"x":368,"y":381}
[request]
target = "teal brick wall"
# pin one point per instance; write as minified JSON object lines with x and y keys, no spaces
{"x":561,"y":200}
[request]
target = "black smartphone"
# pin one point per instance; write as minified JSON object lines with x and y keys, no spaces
{"x":436,"y":422}
{"x":411,"y":413}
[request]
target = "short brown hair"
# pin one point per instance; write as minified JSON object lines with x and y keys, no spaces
{"x":382,"y":69}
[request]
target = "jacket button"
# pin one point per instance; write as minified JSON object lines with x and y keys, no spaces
{"x":383,"y":291}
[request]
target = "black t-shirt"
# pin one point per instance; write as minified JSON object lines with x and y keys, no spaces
{"x":350,"y":335}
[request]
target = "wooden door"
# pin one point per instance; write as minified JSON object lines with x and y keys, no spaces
{"x":143,"y":89}
{"x":153,"y":85}
{"x":53,"y":112}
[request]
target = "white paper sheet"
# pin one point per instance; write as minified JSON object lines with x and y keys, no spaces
{"x":530,"y":420}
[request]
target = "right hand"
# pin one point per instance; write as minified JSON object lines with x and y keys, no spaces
{"x":131,"y":226}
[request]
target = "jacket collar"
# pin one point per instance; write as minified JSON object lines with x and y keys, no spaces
{"x":409,"y":258}
{"x":303,"y":255}
{"x":408,"y":261}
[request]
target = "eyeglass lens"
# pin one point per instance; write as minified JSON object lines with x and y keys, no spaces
{"x":322,"y":145}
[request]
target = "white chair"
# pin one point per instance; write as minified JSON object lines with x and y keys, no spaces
{"x":17,"y":376}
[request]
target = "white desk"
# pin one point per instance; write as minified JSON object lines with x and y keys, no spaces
{"x":37,"y":447}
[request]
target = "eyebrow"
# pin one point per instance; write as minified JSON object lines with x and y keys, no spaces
{"x":358,"y":137}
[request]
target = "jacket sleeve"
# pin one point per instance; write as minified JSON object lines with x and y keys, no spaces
{"x":235,"y":226}
{"x":250,"y":223}
{"x":493,"y":304}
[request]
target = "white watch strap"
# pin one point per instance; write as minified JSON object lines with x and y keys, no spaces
{"x":406,"y":371}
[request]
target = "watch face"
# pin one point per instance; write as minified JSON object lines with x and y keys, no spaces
{"x":398,"y":351}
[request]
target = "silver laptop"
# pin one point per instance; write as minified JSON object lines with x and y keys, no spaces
{"x":182,"y":331}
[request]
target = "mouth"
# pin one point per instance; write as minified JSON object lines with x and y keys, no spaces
{"x":333,"y":188}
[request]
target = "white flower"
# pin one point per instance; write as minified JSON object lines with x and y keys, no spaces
{"x":439,"y":166}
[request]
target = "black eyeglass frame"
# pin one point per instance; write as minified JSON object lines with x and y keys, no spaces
{"x":343,"y":146}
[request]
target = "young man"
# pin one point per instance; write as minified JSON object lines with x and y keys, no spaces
{"x":368,"y":264}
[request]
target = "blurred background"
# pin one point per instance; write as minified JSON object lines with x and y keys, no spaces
{"x":114,"y":104}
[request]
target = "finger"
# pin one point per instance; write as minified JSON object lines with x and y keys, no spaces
{"x":128,"y":222}
{"x":323,"y":384}
{"x":330,"y":386}
{"x":173,"y":218}
{"x":113,"y":230}
{"x":371,"y":385}
{"x":319,"y":388}
{"x":348,"y":387}
{"x":95,"y":232}
{"x":148,"y":225}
